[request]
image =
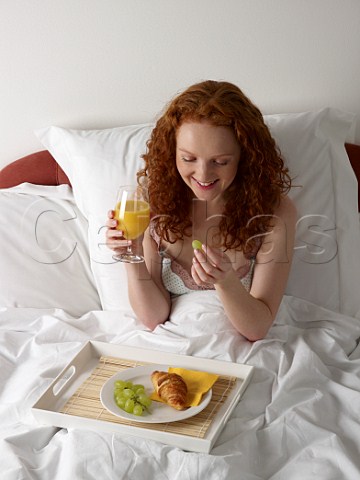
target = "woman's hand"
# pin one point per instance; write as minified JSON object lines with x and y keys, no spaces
{"x":115,"y":239}
{"x":210,"y":266}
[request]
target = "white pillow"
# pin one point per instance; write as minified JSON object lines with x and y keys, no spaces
{"x":44,"y":260}
{"x":98,"y":161}
{"x":326,"y":263}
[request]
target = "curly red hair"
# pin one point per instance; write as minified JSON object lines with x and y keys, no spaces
{"x":261,"y":178}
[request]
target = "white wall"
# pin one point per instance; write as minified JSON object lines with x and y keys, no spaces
{"x":101,"y":63}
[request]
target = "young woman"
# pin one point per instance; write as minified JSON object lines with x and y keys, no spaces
{"x":214,"y":174}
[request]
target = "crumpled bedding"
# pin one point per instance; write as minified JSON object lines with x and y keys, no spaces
{"x":298,"y":418}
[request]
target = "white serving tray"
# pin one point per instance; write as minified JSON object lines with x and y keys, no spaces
{"x":47,"y":409}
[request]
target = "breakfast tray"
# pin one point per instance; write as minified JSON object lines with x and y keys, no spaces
{"x":73,"y":398}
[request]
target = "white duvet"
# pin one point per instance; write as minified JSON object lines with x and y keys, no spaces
{"x":298,"y":418}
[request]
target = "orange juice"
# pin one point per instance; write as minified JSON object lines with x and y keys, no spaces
{"x":136,"y":218}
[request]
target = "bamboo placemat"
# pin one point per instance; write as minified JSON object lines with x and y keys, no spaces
{"x":85,"y":402}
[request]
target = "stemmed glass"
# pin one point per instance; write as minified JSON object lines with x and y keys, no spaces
{"x":132,"y":211}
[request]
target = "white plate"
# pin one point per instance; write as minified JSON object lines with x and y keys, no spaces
{"x":160,"y":412}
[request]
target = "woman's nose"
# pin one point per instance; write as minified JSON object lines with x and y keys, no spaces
{"x":204,"y":171}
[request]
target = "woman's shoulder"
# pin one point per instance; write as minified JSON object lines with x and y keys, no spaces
{"x":281,"y":235}
{"x":286,"y":210}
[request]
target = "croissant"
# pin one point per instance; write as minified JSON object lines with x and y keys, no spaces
{"x":171,"y":388}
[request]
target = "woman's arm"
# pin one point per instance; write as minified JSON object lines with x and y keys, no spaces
{"x":253,"y":313}
{"x":148,"y":297}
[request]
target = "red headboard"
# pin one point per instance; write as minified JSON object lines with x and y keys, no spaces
{"x":42,"y":169}
{"x":353,"y":152}
{"x":39,"y":168}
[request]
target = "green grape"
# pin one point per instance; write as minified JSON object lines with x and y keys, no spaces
{"x":118,"y":395}
{"x":120,"y":384}
{"x":140,"y":398}
{"x":138,"y":410}
{"x":196,"y":244}
{"x":144,"y":400}
{"x":118,"y":391}
{"x":128,"y":393}
{"x":129,"y":405}
{"x":120,"y":402}
{"x":138,"y":388}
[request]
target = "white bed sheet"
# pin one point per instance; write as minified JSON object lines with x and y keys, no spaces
{"x":298,"y":418}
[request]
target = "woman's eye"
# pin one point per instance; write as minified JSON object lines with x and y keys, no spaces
{"x":221,"y":162}
{"x":187,"y":159}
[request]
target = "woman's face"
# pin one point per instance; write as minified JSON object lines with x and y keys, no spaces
{"x":207,"y":158}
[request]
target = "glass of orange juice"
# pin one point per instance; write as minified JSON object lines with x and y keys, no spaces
{"x":132,"y":211}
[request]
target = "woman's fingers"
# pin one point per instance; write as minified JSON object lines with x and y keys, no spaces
{"x":208,"y":259}
{"x":115,"y":239}
{"x":112,"y":233}
{"x":195,"y":275}
{"x":210,"y":265}
{"x":117,"y":243}
{"x":214,"y":256}
{"x":201,"y":270}
{"x":111,"y":223}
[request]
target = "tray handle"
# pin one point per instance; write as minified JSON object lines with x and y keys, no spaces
{"x":63,"y":380}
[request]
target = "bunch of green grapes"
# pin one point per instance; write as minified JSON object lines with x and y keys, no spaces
{"x":131,"y":398}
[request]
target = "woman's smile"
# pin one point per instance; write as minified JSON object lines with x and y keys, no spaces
{"x":205,"y":185}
